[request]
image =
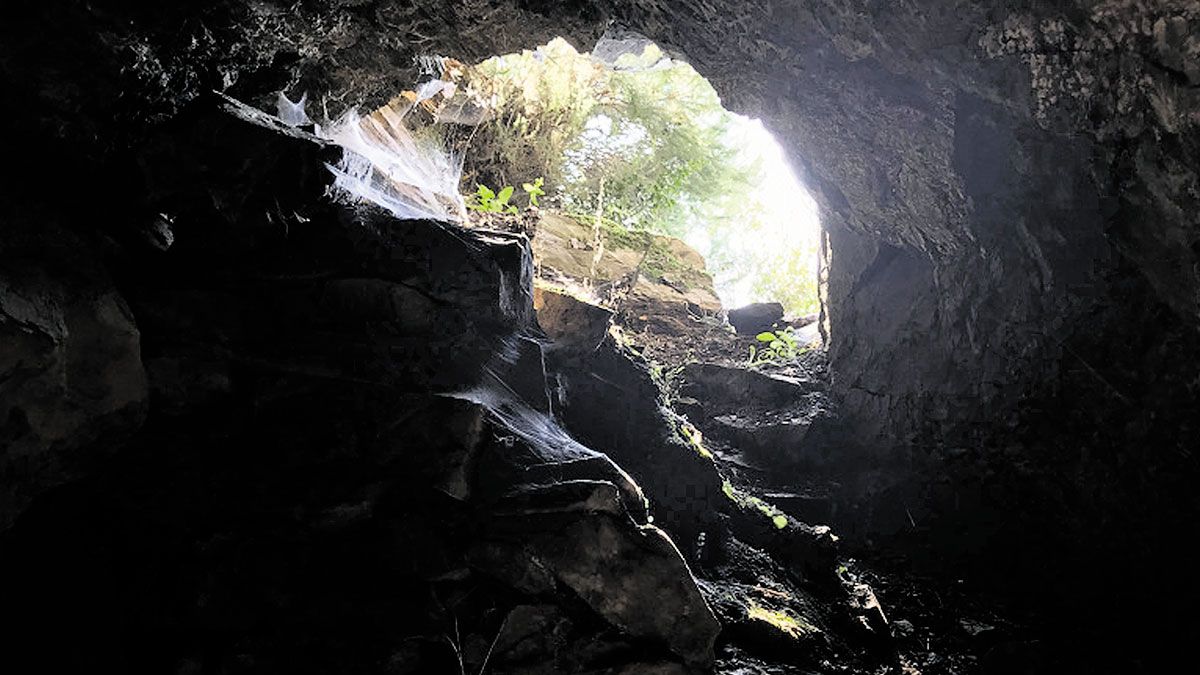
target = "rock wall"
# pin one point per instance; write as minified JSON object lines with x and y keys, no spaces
{"x":980,"y":168}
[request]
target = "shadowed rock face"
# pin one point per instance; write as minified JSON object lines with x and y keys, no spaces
{"x":341,"y":406}
{"x":72,"y":384}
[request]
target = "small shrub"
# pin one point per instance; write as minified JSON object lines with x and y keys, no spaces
{"x":485,"y":200}
{"x":534,"y":191}
{"x":779,"y":346}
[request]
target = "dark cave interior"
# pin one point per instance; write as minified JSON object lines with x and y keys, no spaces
{"x":250,"y":428}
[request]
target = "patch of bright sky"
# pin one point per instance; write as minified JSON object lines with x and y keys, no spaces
{"x":787,"y":218}
{"x":790,"y":222}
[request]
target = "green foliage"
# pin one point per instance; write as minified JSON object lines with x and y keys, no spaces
{"x":644,"y":146}
{"x":541,"y":102}
{"x":787,"y":272}
{"x":534,"y":190}
{"x":655,"y":156}
{"x":781,"y":346}
{"x":485,"y":200}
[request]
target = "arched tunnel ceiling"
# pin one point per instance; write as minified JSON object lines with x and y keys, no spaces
{"x":981,"y":165}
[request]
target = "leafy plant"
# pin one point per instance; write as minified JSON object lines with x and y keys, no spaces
{"x":534,"y":190}
{"x":485,"y":200}
{"x":781,"y":347}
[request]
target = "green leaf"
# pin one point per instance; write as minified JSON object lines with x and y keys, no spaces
{"x":534,"y":190}
{"x":780,"y":521}
{"x":485,"y":194}
{"x":505,"y":195}
{"x":765,"y":337}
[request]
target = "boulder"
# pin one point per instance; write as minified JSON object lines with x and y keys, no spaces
{"x":657,"y":282}
{"x":726,"y":388}
{"x":636,"y":579}
{"x":632,"y":576}
{"x":756,"y":318}
{"x":775,"y":622}
{"x":611,"y":402}
{"x":572,"y":323}
{"x":772,"y":419}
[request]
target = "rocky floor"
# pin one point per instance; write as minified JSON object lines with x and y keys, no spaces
{"x":936,"y":626}
{"x":760,"y":423}
{"x":754,"y":420}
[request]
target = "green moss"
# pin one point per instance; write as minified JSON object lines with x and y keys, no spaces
{"x":659,"y":259}
{"x":795,"y":627}
{"x":727,"y":488}
{"x":695,"y":439}
{"x":617,"y":236}
{"x":778,"y":518}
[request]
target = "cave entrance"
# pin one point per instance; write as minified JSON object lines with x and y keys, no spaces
{"x":652,"y":198}
{"x":639,"y":190}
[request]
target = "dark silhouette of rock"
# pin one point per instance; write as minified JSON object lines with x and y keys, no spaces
{"x":756,"y":318}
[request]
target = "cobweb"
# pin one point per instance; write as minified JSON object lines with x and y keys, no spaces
{"x":399,"y":155}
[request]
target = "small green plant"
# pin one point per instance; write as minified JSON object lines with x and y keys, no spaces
{"x":781,"y":346}
{"x":485,"y":200}
{"x":534,"y":190}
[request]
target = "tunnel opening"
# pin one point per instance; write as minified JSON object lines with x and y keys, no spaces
{"x":635,"y":140}
{"x":640,"y":191}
